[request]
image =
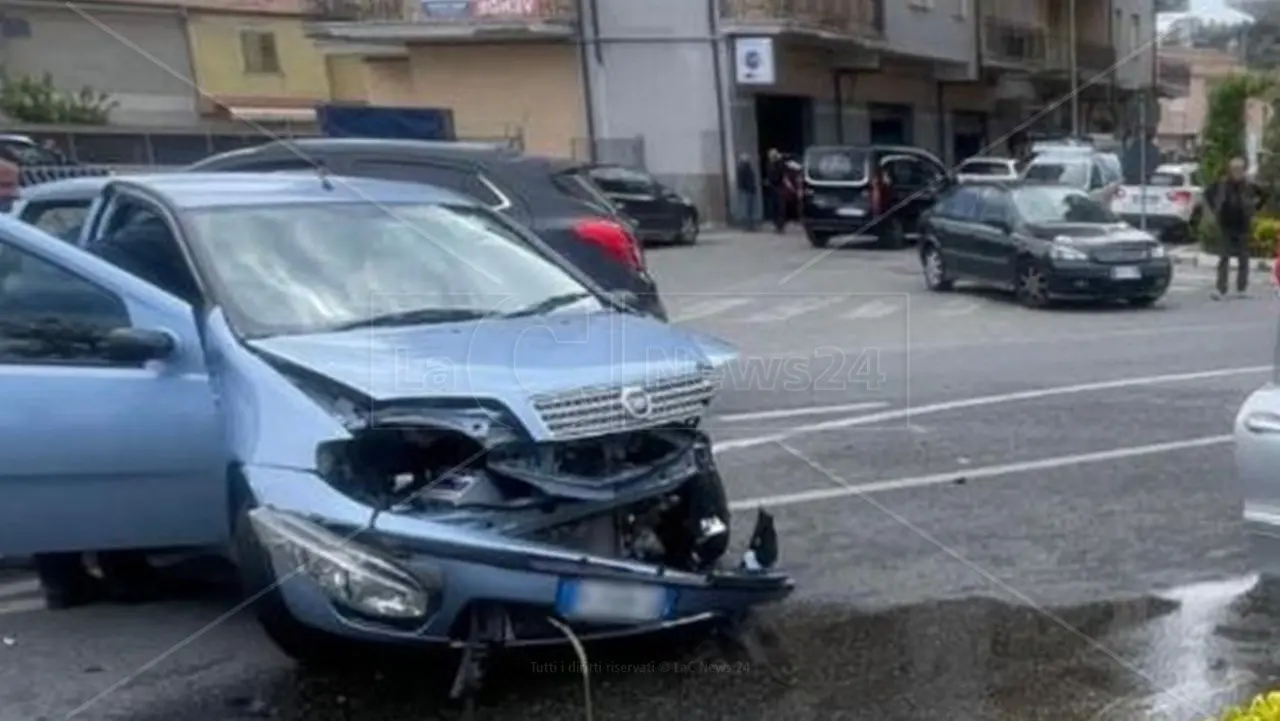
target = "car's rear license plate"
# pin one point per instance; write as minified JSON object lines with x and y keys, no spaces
{"x":604,"y":601}
{"x":851,"y":212}
{"x":1126,"y":272}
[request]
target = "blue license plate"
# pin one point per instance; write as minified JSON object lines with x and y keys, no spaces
{"x":612,"y":601}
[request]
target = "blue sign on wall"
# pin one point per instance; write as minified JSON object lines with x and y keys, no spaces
{"x":446,"y":8}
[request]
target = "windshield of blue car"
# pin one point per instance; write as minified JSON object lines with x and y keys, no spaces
{"x":308,"y":268}
{"x":1042,"y":205}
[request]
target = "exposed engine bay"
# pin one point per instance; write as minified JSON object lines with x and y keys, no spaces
{"x":651,"y":495}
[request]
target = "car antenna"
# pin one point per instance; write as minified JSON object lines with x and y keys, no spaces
{"x":322,"y":171}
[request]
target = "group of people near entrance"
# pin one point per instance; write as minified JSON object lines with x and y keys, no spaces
{"x":780,"y":188}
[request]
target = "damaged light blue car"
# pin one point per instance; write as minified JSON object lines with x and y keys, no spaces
{"x":407,"y":419}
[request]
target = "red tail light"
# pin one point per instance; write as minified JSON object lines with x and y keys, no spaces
{"x":1180,"y":196}
{"x":614,"y":239}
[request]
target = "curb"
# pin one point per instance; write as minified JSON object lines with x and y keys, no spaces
{"x":1197,"y":259}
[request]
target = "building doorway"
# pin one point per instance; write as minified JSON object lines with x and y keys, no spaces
{"x":891,"y":124}
{"x":968,"y":135}
{"x":784,"y":122}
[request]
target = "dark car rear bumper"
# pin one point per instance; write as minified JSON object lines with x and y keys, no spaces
{"x":1090,"y":281}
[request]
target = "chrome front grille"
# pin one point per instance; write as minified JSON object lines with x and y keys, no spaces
{"x":1135,"y":253}
{"x":587,"y":412}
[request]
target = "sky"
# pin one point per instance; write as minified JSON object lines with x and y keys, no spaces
{"x":1208,"y":10}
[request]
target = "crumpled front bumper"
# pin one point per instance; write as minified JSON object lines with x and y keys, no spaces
{"x":463,"y":571}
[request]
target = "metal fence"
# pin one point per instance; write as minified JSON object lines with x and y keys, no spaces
{"x":614,"y":151}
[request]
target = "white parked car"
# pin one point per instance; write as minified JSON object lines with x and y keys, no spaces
{"x":987,"y":170}
{"x":1098,"y":174}
{"x":1173,"y":200}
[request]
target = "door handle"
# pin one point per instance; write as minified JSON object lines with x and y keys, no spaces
{"x":1262,"y":423}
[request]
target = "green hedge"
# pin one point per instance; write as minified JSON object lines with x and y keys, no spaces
{"x":1262,"y":241}
{"x":1264,"y":707}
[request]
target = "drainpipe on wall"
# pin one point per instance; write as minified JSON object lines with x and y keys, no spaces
{"x":713,"y":26}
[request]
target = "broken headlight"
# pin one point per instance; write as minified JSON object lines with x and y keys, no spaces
{"x":347,"y":573}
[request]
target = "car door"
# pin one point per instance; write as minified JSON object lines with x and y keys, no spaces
{"x":99,"y":452}
{"x":993,"y":241}
{"x":914,"y":185}
{"x":955,"y":220}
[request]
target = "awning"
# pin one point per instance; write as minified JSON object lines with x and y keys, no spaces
{"x":273,"y":115}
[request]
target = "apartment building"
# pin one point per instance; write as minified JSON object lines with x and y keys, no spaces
{"x":685,"y":85}
{"x":1189,"y":73}
{"x":172,"y":63}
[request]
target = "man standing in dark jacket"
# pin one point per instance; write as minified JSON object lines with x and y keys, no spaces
{"x":1233,"y":200}
{"x":748,"y":187}
{"x":777,"y":182}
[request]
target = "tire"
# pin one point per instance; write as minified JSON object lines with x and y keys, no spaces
{"x":688,"y":234}
{"x":309,"y":647}
{"x":1031,"y":285}
{"x":892,"y":235}
{"x":934,"y":268}
{"x":1145,"y":301}
{"x":816,"y":238}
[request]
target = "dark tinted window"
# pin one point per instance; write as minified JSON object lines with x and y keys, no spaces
{"x":986,"y":167}
{"x":995,"y":205}
{"x":962,"y":204}
{"x":910,"y":172}
{"x":836,"y":165}
{"x":459,"y":180}
{"x":48,"y":315}
{"x":62,"y":219}
{"x":579,"y":186}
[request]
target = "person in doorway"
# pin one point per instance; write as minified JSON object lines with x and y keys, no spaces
{"x":1233,"y":200}
{"x":10,"y":184}
{"x":777,"y":182}
{"x":748,"y":190}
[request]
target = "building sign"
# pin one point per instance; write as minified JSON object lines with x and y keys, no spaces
{"x":754,"y":61}
{"x":505,"y":8}
{"x":446,"y":8}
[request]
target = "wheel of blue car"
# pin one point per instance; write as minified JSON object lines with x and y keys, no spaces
{"x":936,"y":277}
{"x":259,"y":585}
{"x":1032,"y":285}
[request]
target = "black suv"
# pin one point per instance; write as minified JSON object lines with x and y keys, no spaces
{"x":552,"y":197}
{"x":870,"y":191}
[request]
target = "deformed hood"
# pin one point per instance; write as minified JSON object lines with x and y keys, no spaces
{"x":1087,"y":234}
{"x":506,"y":359}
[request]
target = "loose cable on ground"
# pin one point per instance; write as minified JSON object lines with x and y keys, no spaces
{"x":581,"y":653}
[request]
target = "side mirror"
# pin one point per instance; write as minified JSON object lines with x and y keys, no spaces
{"x":137,"y":345}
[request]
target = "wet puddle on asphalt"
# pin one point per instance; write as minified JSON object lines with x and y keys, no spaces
{"x":1181,"y":655}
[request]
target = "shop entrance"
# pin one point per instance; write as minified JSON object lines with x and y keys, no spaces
{"x":968,"y":135}
{"x":784,"y":122}
{"x":890,"y":124}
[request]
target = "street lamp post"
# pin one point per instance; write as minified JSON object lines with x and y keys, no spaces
{"x":1075,"y":70}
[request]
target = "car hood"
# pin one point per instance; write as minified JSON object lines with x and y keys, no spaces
{"x":1090,"y":234}
{"x":507,"y":359}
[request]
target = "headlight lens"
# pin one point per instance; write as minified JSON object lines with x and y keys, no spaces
{"x":1066,"y":252}
{"x":1158,"y":251}
{"x":347,"y":573}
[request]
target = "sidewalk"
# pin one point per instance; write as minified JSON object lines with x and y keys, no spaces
{"x":1191,"y":256}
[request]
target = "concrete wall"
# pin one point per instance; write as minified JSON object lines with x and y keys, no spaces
{"x":1129,"y":38}
{"x":942,"y":30}
{"x":219,"y":61}
{"x":655,"y":78}
{"x":139,"y":57}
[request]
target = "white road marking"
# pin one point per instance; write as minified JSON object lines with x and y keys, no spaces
{"x":957,"y":307}
{"x":25,"y":605}
{"x":787,"y":311}
{"x":909,"y":414}
{"x":933,"y":479}
{"x":795,"y":412}
{"x":19,"y":588}
{"x":706,"y":308}
{"x":873,"y":309}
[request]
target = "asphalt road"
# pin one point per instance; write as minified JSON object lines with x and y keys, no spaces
{"x":992,"y":513}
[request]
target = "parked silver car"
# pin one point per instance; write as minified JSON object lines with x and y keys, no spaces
{"x":1257,"y":446}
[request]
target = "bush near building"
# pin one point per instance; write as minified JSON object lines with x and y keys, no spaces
{"x":1264,"y":707}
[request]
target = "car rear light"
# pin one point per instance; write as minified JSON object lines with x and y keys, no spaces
{"x":1180,"y":196}
{"x":613,"y":238}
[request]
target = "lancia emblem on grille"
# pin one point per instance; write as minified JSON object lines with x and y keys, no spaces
{"x":635,"y":401}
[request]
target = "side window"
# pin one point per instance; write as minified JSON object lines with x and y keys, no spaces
{"x":61,"y":218}
{"x":139,"y":241}
{"x":455,"y":179}
{"x":963,"y":205}
{"x":995,"y":206}
{"x":50,"y":316}
{"x":904,"y":172}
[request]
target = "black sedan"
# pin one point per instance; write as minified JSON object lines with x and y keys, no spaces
{"x":660,"y":213}
{"x":1043,"y":242}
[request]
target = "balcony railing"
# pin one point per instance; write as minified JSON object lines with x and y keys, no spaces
{"x":1011,"y":43}
{"x":848,"y":18}
{"x":444,"y":12}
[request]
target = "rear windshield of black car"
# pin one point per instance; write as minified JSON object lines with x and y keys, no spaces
{"x":836,"y":165}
